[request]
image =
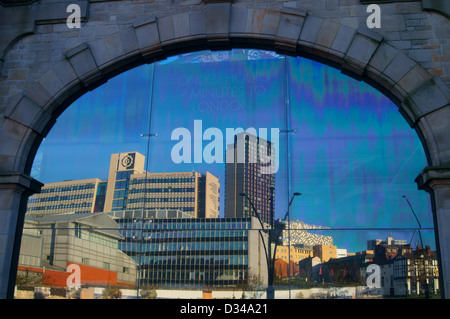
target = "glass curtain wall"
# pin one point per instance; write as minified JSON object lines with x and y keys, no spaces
{"x":229,"y":174}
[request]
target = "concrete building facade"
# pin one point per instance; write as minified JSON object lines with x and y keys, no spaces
{"x":325,"y":252}
{"x":176,"y":250}
{"x":88,"y":240}
{"x":45,"y":66}
{"x":299,"y":233}
{"x":79,"y":196}
{"x":245,"y":173}
{"x":296,"y":253}
{"x":130,"y":187}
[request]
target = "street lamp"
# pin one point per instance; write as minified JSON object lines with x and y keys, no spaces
{"x":139,"y":269}
{"x":268,"y":251}
{"x":421,"y":243}
{"x":289,"y":239}
{"x":417,"y":219}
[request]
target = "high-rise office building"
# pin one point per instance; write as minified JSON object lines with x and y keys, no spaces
{"x":247,"y":172}
{"x":298,"y":233}
{"x":174,"y":249}
{"x":78,"y":196}
{"x":52,"y":242}
{"x":129,"y":186}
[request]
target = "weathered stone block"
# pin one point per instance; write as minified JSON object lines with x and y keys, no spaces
{"x":11,"y":137}
{"x":181,"y":25}
{"x":327,"y":33}
{"x":428,"y":98}
{"x":361,"y":49}
{"x":238,"y":20}
{"x":325,"y":37}
{"x":147,"y":35}
{"x":399,"y":66}
{"x":24,"y":111}
{"x":128,"y":40}
{"x":37,"y":93}
{"x":342,"y":40}
{"x":83,"y":63}
{"x":435,"y":126}
{"x":413,"y":79}
{"x":289,"y":28}
{"x":254,"y":21}
{"x":382,"y":57}
{"x":7,"y":163}
{"x":65,"y":72}
{"x":166,"y":29}
{"x":309,"y":31}
{"x":270,"y":23}
{"x":114,"y":47}
{"x":197,"y":25}
{"x":218,"y":21}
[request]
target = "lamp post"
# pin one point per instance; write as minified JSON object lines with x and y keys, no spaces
{"x":421,"y":243}
{"x":289,"y":239}
{"x":417,"y":219}
{"x":149,"y":135}
{"x":268,"y":250}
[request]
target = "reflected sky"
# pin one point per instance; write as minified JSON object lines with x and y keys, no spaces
{"x":352,"y":157}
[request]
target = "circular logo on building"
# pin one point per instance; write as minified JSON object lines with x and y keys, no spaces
{"x":127,"y":161}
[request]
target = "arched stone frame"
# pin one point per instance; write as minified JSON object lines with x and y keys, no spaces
{"x":361,"y":53}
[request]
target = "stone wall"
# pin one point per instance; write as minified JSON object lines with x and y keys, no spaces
{"x":44,"y":66}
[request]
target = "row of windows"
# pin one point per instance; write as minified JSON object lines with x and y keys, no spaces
{"x":184,"y":209}
{"x":159,"y":180}
{"x":120,"y":194}
{"x":68,"y":188}
{"x":173,"y":224}
{"x":94,"y":237}
{"x":121,"y":185}
{"x":183,"y":234}
{"x":184,"y":246}
{"x":161,"y":200}
{"x":202,"y":225}
{"x":119,"y":203}
{"x":201,"y":260}
{"x":184,"y":224}
{"x":60,"y":197}
{"x":107,"y":266}
{"x":61,"y":206}
{"x":212,"y":277}
{"x":162,"y":190}
{"x":123,"y":175}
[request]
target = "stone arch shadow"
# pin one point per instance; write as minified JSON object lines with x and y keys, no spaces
{"x":422,"y":99}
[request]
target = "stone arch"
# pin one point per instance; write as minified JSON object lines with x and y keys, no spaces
{"x":423,"y":100}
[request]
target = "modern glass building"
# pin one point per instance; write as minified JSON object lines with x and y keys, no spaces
{"x":175,"y":250}
{"x":247,"y":172}
{"x":78,"y":196}
{"x":129,"y":187}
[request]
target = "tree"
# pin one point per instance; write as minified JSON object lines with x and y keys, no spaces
{"x":111,"y":293}
{"x":148,"y":294}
